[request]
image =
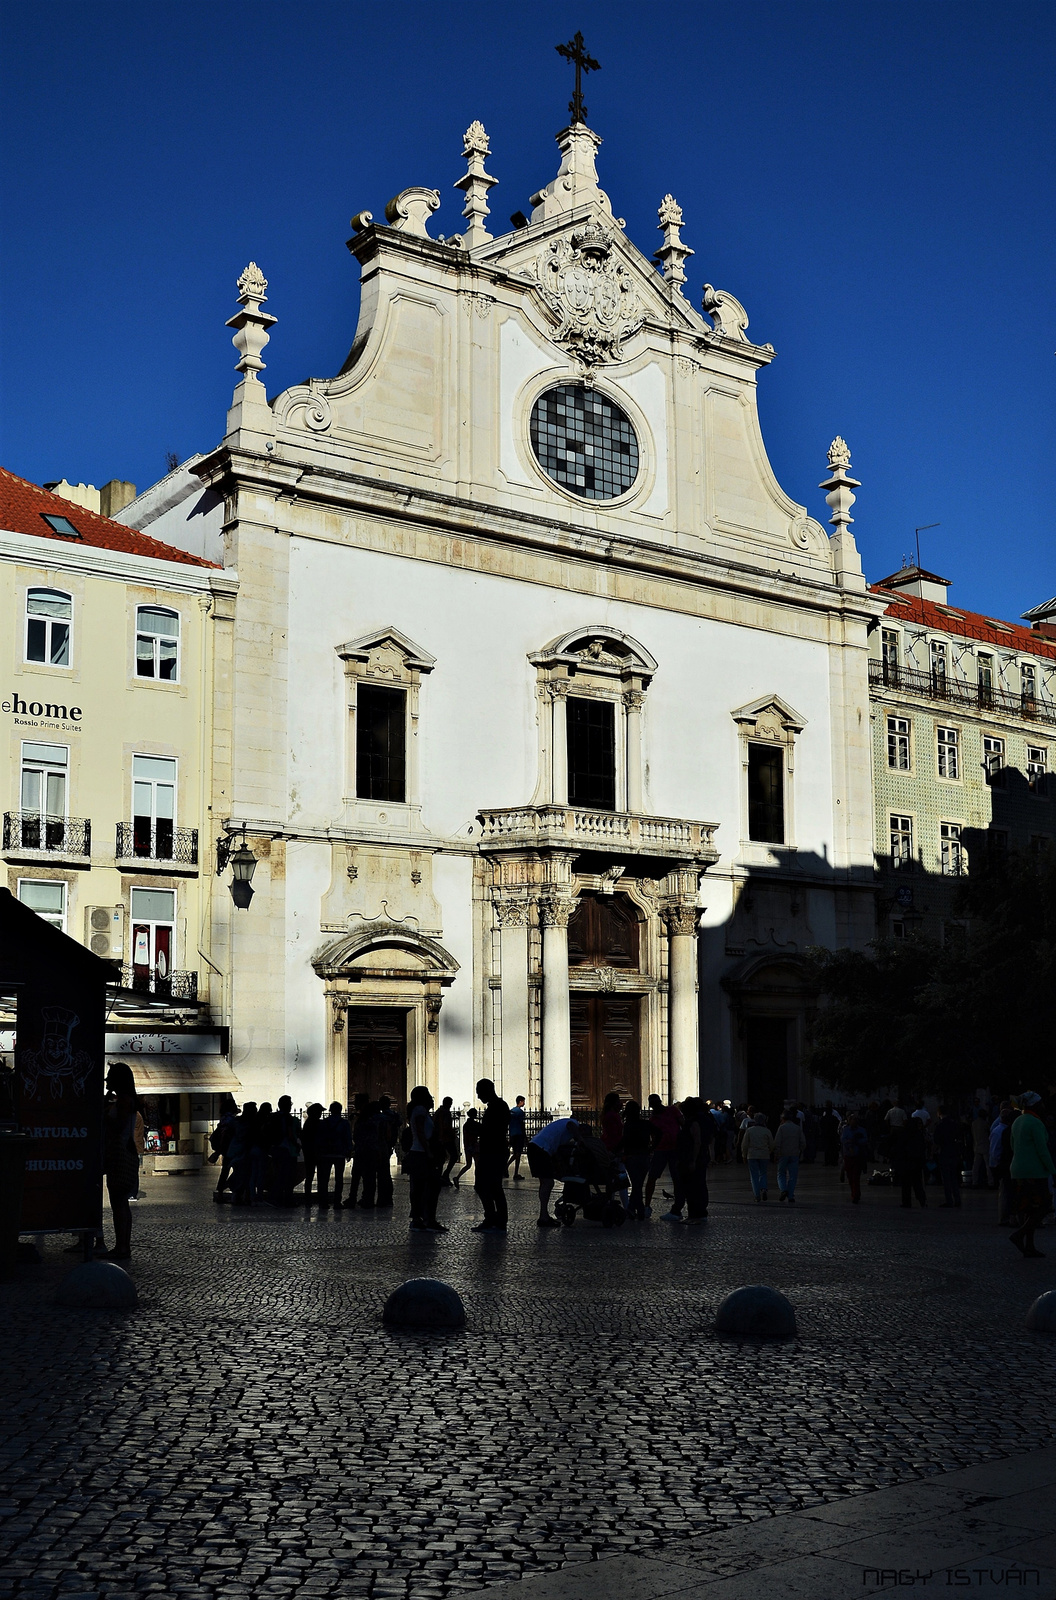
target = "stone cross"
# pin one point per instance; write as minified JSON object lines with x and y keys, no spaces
{"x":576,"y":52}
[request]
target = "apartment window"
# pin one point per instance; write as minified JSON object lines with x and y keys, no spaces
{"x":1040,"y":844}
{"x":1037,"y":767}
{"x":898,"y":930}
{"x":902,"y":843}
{"x":381,"y":743}
{"x":47,"y":897}
{"x":997,"y":846}
{"x":949,"y":753}
{"x":938,"y":664}
{"x":1028,"y":685}
{"x":153,"y":922}
{"x":952,"y":858}
{"x":994,"y":759}
{"x":889,"y":650}
{"x":49,"y":616}
{"x":591,"y":753}
{"x":985,"y":668}
{"x":766,"y":793}
{"x":898,"y":743}
{"x":157,"y":643}
{"x":153,"y":806}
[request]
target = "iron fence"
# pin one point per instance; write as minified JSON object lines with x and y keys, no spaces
{"x":145,"y":840}
{"x":173,"y":986}
{"x":958,"y":691}
{"x":35,"y":830}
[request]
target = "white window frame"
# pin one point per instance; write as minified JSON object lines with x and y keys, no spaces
{"x":939,"y":651}
{"x":157,"y":638}
{"x":53,"y":594}
{"x":995,"y":752}
{"x":1038,"y":768}
{"x":63,"y":885}
{"x":901,"y":827}
{"x":984,"y":662}
{"x":152,"y":924}
{"x":890,"y":636}
{"x":43,"y":768}
{"x":1028,"y":674}
{"x":948,"y":752}
{"x":905,"y":731}
{"x":953,"y":859}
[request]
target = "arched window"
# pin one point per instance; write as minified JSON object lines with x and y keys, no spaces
{"x":157,"y":643}
{"x":49,"y":616}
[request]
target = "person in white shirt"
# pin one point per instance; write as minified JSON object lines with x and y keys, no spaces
{"x":542,"y":1162}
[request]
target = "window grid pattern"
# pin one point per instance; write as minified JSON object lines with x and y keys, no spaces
{"x":949,"y":753}
{"x":898,"y":743}
{"x":584,"y":442}
{"x":902,"y":843}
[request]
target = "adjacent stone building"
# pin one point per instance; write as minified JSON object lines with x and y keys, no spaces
{"x":547,"y":714}
{"x":964,"y":735}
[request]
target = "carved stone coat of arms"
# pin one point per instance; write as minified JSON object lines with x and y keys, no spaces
{"x":591,"y":296}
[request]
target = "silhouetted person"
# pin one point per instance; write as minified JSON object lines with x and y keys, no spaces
{"x":1032,"y":1167}
{"x":518,"y":1136}
{"x":637,"y":1143}
{"x":120,"y":1157}
{"x":444,"y":1139}
{"x":310,"y":1148}
{"x":388,"y":1132}
{"x":695,"y":1139}
{"x":548,"y":1158}
{"x":240,"y":1154}
{"x":220,"y":1140}
{"x":854,"y":1142}
{"x":363,"y":1183}
{"x":790,"y":1143}
{"x":1001,"y":1163}
{"x":284,"y":1147}
{"x":493,"y":1156}
{"x":470,"y":1142}
{"x":422,"y":1163}
{"x":949,"y":1147}
{"x":260,"y":1151}
{"x":664,"y":1123}
{"x":334,"y":1148}
{"x":908,"y":1151}
{"x":830,"y":1134}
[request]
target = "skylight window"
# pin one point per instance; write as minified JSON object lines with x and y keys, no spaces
{"x":61,"y":525}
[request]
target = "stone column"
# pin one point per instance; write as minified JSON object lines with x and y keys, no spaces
{"x":555,"y":911}
{"x":633,"y":701}
{"x":513,"y":948}
{"x":557,"y":689}
{"x":682,"y":1046}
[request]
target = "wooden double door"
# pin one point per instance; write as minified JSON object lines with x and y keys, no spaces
{"x":606,"y":1047}
{"x":377,"y":1053}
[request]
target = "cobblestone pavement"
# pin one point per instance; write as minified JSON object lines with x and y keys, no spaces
{"x":251,"y":1429}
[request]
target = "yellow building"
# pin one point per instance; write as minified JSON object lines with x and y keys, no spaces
{"x":110,"y":653}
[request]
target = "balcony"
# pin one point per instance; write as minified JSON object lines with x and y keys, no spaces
{"x":143,"y":981}
{"x":158,"y":844}
{"x":620,"y":833}
{"x":958,"y":692}
{"x":35,"y":835}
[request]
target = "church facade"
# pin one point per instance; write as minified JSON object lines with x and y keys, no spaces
{"x":547,"y":710}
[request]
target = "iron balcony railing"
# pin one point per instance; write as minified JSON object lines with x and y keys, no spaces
{"x":34,"y":830}
{"x":959,"y":692}
{"x":144,"y":840}
{"x":173,"y":986}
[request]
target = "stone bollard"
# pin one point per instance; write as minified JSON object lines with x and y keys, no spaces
{"x":424,"y":1303}
{"x":1041,"y":1318}
{"x":97,"y":1285}
{"x":756,"y":1313}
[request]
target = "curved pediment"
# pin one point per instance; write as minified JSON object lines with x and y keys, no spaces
{"x":411,"y":953}
{"x":598,"y":649}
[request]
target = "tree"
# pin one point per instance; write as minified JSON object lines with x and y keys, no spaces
{"x":946,"y":1018}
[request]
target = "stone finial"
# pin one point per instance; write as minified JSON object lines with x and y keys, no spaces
{"x":251,"y":324}
{"x":729,"y":317}
{"x":576,"y":183}
{"x":672,"y":254}
{"x":840,"y":497}
{"x":410,"y":210}
{"x":475,"y":184}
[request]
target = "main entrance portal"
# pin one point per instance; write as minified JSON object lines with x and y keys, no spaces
{"x":766,"y":1061}
{"x":377,"y":1053}
{"x":606,"y":1055}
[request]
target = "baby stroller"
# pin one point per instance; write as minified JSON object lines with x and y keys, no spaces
{"x":592,"y":1179}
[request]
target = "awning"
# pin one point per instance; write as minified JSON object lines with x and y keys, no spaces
{"x":181,"y":1074}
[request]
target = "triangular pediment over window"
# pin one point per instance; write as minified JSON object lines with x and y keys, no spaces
{"x":386,"y":652}
{"x":770,"y":711}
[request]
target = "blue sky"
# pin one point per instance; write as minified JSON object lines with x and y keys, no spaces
{"x":874,"y":182}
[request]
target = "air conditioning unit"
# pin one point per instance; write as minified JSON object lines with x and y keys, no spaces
{"x":104,"y":931}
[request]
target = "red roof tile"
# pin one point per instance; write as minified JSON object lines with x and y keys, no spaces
{"x":24,"y":505}
{"x":966,"y":624}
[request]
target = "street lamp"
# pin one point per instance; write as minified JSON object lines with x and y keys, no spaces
{"x":243,"y":864}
